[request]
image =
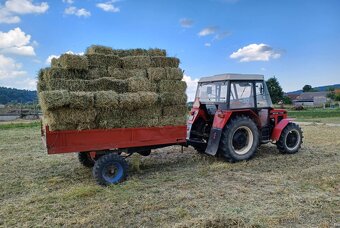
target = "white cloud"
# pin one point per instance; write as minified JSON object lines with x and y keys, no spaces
{"x":68,"y":1}
{"x":108,"y":7}
{"x":9,"y":11}
{"x":186,"y":23}
{"x":208,"y":31}
{"x":25,"y":6}
{"x":16,"y":42}
{"x":24,"y":82}
{"x":78,"y":12}
{"x":255,"y":52}
{"x":207,"y":44}
{"x":49,"y":58}
{"x":9,"y":68}
{"x":222,"y":35}
{"x":191,"y":87}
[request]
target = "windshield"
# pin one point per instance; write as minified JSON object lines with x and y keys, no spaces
{"x":212,"y":92}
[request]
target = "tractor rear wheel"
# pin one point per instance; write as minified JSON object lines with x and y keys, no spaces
{"x":239,"y":140}
{"x":110,"y":169}
{"x":85,"y":159}
{"x":290,"y":140}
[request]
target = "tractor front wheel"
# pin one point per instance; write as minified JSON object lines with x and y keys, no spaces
{"x":239,"y":140}
{"x":110,"y":169}
{"x":290,"y":140}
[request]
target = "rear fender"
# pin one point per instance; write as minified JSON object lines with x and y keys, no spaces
{"x":279,"y":128}
{"x":220,"y":120}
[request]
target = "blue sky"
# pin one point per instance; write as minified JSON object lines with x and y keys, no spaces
{"x":297,"y":41}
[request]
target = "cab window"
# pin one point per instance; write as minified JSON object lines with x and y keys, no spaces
{"x":213,"y":92}
{"x":262,"y":95}
{"x":241,"y":95}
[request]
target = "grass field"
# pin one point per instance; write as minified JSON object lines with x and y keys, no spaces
{"x":172,"y":188}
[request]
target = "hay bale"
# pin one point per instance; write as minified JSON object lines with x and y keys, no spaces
{"x":172,"y":86}
{"x":97,"y":72}
{"x":50,"y":100}
{"x":169,"y":98}
{"x":175,"y":111}
{"x":148,"y":99}
{"x":120,"y":73}
{"x":136,"y":62}
{"x":58,"y":72}
{"x":156,"y":74}
{"x":41,"y":84}
{"x":174,"y":73}
{"x":106,"y":100}
{"x":129,"y":101}
{"x":100,"y":60}
{"x":136,"y":84}
{"x":157,"y":52}
{"x":161,"y":61}
{"x":99,"y":49}
{"x":69,"y":61}
{"x":70,"y":119}
{"x":105,"y":84}
{"x":70,"y":85}
{"x":55,"y":62}
{"x":172,"y":121}
{"x":108,"y":118}
{"x":81,"y":100}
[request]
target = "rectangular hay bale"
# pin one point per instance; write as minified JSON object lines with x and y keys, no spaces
{"x":169,"y":98}
{"x":161,"y":61}
{"x":100,"y":60}
{"x":106,"y":100}
{"x":156,"y":74}
{"x":99,"y":49}
{"x":70,"y":85}
{"x":69,"y":61}
{"x":50,"y":100}
{"x":172,"y":86}
{"x":136,"y":84}
{"x":81,"y":100}
{"x":172,"y":121}
{"x":136,"y":62}
{"x":62,"y":73}
{"x":105,"y":84}
{"x":175,"y":111}
{"x":97,"y":72}
{"x":120,"y":73}
{"x":174,"y":73}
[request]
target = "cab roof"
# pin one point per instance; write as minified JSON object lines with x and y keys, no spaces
{"x":224,"y":77}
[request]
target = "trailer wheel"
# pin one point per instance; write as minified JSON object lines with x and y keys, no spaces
{"x":290,"y":140}
{"x":239,"y":140}
{"x":110,"y":169}
{"x":85,"y":159}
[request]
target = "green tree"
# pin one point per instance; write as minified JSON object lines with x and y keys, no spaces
{"x":287,"y":100}
{"x":275,"y":90}
{"x":331,"y":93}
{"x":307,"y":88}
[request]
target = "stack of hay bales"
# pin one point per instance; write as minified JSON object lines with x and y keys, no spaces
{"x":107,"y":88}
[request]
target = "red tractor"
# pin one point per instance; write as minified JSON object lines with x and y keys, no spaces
{"x":233,"y":114}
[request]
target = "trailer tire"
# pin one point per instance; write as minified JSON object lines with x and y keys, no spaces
{"x":240,"y":139}
{"x":110,"y":169}
{"x":290,"y":139}
{"x":85,"y":159}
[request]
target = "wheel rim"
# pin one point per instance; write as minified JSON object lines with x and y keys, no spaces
{"x":292,"y":139}
{"x":113,"y":172}
{"x":242,"y":140}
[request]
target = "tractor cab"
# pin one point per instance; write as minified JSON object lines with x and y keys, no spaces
{"x":232,"y":114}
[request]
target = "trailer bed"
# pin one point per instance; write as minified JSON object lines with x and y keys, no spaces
{"x":69,"y":141}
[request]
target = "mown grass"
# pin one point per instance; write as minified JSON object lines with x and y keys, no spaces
{"x":173,"y":189}
{"x":11,"y":125}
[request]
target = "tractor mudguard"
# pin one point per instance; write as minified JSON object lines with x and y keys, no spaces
{"x":220,"y":120}
{"x":279,"y":128}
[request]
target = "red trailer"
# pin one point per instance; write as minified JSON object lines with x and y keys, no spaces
{"x":106,"y":149}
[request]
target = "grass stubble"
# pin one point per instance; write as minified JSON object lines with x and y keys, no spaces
{"x":172,"y":188}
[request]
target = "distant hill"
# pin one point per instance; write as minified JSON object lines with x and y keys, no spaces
{"x":319,"y":88}
{"x":9,"y":95}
